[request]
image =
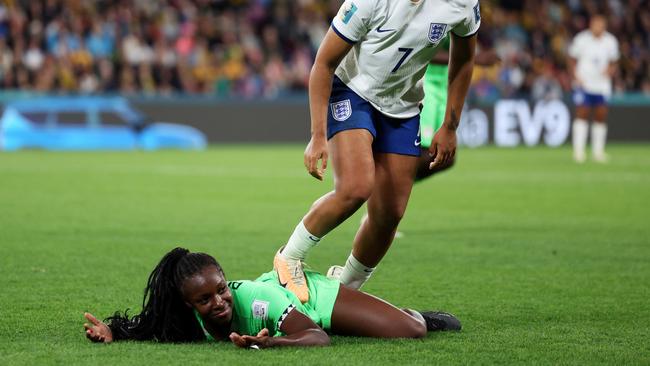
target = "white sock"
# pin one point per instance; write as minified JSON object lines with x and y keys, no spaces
{"x":580,"y":133}
{"x":299,"y":243}
{"x":598,"y":138}
{"x":355,"y":273}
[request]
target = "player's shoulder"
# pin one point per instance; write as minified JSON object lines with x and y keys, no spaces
{"x":583,"y":35}
{"x":364,"y":10}
{"x":374,"y":6}
{"x":460,"y":4}
{"x":369,"y":4}
{"x":246,"y":285}
{"x":610,"y":38}
{"x":248,"y":294}
{"x":467,"y":3}
{"x":241,"y":286}
{"x":254,"y":288}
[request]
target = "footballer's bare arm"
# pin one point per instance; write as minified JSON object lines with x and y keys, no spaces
{"x":461,"y":66}
{"x":329,"y":56}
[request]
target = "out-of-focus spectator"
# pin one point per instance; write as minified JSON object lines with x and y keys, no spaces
{"x":263,"y":48}
{"x":546,"y":86}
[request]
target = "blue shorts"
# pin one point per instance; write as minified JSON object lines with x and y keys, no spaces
{"x":348,"y":111}
{"x":584,"y":99}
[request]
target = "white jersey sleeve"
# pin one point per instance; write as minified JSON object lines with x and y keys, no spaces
{"x":471,"y":23}
{"x":613,"y":52}
{"x":352,"y":22}
{"x":575,"y":48}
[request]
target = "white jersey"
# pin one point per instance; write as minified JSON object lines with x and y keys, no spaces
{"x":394,"y":41}
{"x":593,"y":56}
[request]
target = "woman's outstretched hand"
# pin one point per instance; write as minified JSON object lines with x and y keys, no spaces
{"x":97,"y":331}
{"x":261,"y":340}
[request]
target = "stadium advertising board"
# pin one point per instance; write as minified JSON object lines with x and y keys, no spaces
{"x":507,"y":123}
{"x":516,"y":123}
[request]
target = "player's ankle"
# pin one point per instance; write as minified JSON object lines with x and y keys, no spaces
{"x":355,"y":273}
{"x":300,"y":242}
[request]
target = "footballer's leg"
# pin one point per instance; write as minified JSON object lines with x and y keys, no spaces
{"x":580,"y":132}
{"x":362,"y":315}
{"x":352,"y":158}
{"x":423,"y":172}
{"x":359,"y":314}
{"x":394,"y":176}
{"x":431,"y":117}
{"x":351,"y":133}
{"x":599,"y":133}
{"x":396,"y":152}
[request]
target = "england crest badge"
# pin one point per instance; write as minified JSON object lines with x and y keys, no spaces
{"x":341,"y":110}
{"x":437,"y":32}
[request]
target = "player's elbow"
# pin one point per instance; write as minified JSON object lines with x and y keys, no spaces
{"x":323,"y":66}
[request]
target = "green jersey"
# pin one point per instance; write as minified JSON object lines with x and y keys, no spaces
{"x":263,"y":303}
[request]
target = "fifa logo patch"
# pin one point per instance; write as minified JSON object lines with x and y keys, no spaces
{"x":260,"y":309}
{"x":437,"y":32}
{"x":347,"y":11}
{"x":341,"y":110}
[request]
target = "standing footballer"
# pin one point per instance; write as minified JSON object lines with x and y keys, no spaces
{"x":364,"y":95}
{"x":593,"y":55}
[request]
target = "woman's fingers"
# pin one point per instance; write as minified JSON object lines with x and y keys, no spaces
{"x":250,"y":340}
{"x":313,"y":160}
{"x":434,"y":152}
{"x":91,"y":318}
{"x":263,"y":333}
{"x":438,"y":160}
{"x":94,"y":336}
{"x":237,"y":340}
{"x":313,"y":167}
{"x":324,"y":161}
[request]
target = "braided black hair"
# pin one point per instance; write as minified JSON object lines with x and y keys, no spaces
{"x":165,"y":317}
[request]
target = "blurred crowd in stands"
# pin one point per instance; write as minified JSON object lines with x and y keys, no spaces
{"x":265,"y":48}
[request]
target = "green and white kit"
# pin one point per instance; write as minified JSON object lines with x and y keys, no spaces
{"x":264,"y":303}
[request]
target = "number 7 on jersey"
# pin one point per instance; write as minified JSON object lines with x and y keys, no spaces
{"x":407,"y":52}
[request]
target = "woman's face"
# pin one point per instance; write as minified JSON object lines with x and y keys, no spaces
{"x":208,"y":293}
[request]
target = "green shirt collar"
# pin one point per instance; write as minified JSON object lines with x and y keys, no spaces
{"x":208,"y":336}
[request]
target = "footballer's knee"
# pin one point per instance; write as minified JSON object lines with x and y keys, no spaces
{"x":387,"y":216}
{"x":354,"y":195}
{"x":412,"y":329}
{"x":419,"y":331}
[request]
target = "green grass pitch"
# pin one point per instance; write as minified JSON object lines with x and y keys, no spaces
{"x":544,"y":261}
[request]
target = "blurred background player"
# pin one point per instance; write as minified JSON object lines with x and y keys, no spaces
{"x":593,"y":55}
{"x":372,"y":129}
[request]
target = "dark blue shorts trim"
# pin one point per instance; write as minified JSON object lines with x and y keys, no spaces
{"x":348,"y":111}
{"x":348,"y":40}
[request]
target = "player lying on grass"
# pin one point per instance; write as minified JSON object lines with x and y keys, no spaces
{"x":188,"y":299}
